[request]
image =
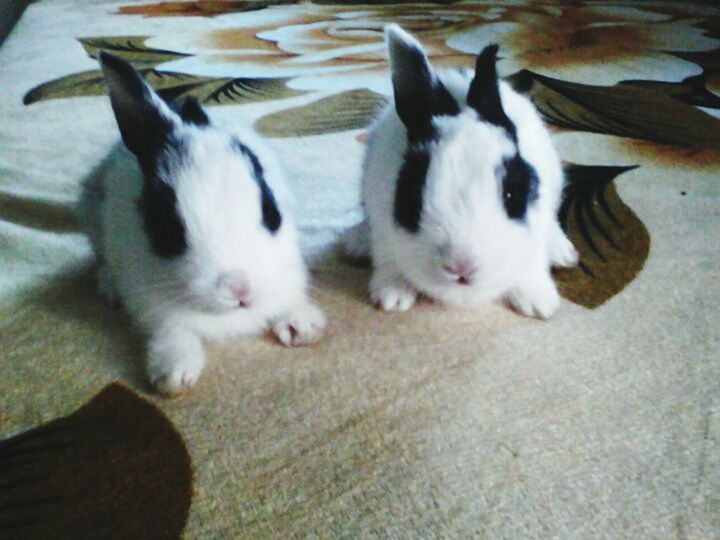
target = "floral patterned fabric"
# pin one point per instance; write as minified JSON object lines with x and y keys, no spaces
{"x":595,"y":67}
{"x":438,"y":422}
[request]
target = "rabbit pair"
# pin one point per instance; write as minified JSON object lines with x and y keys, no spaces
{"x":193,"y":227}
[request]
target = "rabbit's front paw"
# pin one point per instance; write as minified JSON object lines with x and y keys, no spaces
{"x":392,"y":293}
{"x":539,"y":299}
{"x":300,"y":326}
{"x":562,"y":252}
{"x":175,"y":363}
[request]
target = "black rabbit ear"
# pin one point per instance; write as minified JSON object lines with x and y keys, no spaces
{"x":193,"y":113}
{"x":143,"y":118}
{"x":419,"y":94}
{"x":484,"y":93}
{"x":146,"y":125}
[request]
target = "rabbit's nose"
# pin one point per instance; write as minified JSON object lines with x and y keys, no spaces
{"x":461,"y":270}
{"x":241,"y":293}
{"x":237,"y":285}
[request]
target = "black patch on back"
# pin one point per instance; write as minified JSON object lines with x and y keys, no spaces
{"x":519,"y":187}
{"x":410,"y":187}
{"x":272,"y":220}
{"x":158,"y":203}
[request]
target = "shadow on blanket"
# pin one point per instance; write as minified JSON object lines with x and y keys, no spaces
{"x":105,"y":332}
{"x":115,"y":468}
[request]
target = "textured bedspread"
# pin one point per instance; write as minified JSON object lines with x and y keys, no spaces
{"x":437,"y":422}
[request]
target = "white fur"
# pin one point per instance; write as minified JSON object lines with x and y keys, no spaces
{"x":463,"y":210}
{"x":180,"y":302}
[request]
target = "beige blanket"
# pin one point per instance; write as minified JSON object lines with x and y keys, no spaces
{"x":603,"y":422}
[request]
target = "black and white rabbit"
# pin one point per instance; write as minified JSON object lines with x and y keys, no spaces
{"x":194,"y":232}
{"x":461,"y":187}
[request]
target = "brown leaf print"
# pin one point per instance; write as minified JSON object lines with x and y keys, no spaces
{"x":170,"y":85}
{"x":612,"y":242}
{"x":346,"y":111}
{"x":708,"y":60}
{"x":91,"y":83}
{"x":636,"y":111}
{"x":130,"y":48}
{"x":38,"y":214}
{"x":713,"y":83}
{"x":712,"y":27}
{"x":224,"y":90}
{"x":86,"y":83}
{"x":693,"y":90}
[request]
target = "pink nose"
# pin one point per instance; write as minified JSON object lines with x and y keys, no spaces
{"x":241,"y":293}
{"x":238,"y":287}
{"x":461,"y":270}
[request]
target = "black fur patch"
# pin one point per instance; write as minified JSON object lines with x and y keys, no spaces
{"x":420,"y":95}
{"x":158,"y":203}
{"x":410,"y":187}
{"x":148,"y":134}
{"x":192,"y":113}
{"x":419,"y":110}
{"x":142,"y":127}
{"x":484,"y":93}
{"x":519,"y":187}
{"x":162,"y":224}
{"x":272,"y":220}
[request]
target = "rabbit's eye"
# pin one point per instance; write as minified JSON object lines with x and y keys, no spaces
{"x":519,"y":187}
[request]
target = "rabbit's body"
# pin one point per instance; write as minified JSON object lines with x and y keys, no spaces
{"x":142,"y":280}
{"x":196,"y":236}
{"x":461,"y":199}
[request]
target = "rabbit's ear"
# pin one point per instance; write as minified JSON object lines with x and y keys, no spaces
{"x":146,"y":124}
{"x":419,"y":94}
{"x":143,"y":117}
{"x":193,"y":113}
{"x":484,"y":93}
